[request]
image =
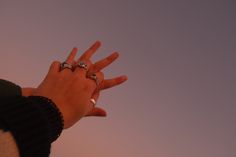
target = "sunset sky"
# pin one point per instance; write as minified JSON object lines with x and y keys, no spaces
{"x":179,"y":55}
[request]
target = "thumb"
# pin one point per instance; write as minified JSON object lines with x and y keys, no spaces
{"x":55,"y":67}
{"x":98,"y":112}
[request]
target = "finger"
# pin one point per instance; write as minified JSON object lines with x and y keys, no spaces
{"x":100,"y":78}
{"x":96,"y":95}
{"x":98,"y":112}
{"x":81,"y":70}
{"x":74,"y":63}
{"x":112,"y":82}
{"x":88,"y":54}
{"x":70,"y":58}
{"x":55,"y":67}
{"x":103,"y":63}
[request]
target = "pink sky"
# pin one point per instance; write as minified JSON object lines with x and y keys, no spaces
{"x":180,"y":57}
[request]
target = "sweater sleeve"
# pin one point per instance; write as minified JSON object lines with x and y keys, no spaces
{"x":35,"y":122}
{"x":8,"y":88}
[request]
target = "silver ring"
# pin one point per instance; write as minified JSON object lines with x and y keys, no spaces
{"x":95,"y":78}
{"x":83,"y":65}
{"x":66,"y":65}
{"x":93,"y":102}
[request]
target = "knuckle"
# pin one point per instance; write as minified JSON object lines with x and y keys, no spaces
{"x":54,"y":64}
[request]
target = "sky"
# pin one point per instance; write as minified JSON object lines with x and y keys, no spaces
{"x":179,"y":55}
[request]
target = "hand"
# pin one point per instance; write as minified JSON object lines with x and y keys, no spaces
{"x":72,"y":90}
{"x":96,"y":68}
{"x":27,"y":91}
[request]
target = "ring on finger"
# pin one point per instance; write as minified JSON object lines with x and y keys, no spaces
{"x":94,"y":77}
{"x":66,"y":65}
{"x":82,"y":64}
{"x":93,"y":101}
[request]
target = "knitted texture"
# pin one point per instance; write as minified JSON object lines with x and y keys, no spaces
{"x":8,"y":88}
{"x":28,"y":121}
{"x":52,"y":113}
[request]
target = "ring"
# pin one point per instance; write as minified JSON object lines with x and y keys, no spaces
{"x":83,"y":65}
{"x":66,"y":65}
{"x":95,"y":78}
{"x":93,"y":101}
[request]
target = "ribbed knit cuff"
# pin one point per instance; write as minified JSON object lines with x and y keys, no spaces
{"x":52,"y":113}
{"x":27,"y":124}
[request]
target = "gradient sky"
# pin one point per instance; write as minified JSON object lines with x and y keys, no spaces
{"x":180,"y":56}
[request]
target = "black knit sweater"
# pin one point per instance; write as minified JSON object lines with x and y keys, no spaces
{"x":35,"y":122}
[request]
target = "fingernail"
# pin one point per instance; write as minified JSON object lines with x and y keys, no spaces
{"x":105,"y":114}
{"x":116,"y":54}
{"x":97,"y":43}
{"x":124,"y":78}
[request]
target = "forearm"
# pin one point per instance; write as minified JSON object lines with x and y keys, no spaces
{"x":32,"y":123}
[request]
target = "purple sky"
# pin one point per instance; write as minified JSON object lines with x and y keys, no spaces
{"x":180,"y":56}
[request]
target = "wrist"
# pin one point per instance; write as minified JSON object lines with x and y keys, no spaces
{"x":26,"y":91}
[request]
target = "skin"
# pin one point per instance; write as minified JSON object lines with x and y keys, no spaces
{"x":71,"y":90}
